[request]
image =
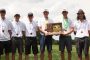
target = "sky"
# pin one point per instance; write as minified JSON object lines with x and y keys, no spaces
{"x":37,"y":6}
{"x":55,"y":8}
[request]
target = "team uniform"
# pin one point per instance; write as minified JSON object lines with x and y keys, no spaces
{"x":31,"y":40}
{"x":45,"y":40}
{"x":5,"y":39}
{"x":17,"y":41}
{"x":65,"y":40}
{"x":82,"y":35}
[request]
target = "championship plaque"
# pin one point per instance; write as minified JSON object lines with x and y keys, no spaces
{"x":54,"y":27}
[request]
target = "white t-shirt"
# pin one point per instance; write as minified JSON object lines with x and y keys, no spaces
{"x":42,"y":23}
{"x":31,"y":28}
{"x":5,"y":26}
{"x":18,"y":28}
{"x":70,"y":24}
{"x":81,"y":28}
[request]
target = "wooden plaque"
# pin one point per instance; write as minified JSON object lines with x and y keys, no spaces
{"x":54,"y":27}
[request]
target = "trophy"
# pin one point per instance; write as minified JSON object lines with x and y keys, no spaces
{"x":57,"y":27}
{"x":54,"y":27}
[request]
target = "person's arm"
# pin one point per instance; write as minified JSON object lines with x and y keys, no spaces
{"x":89,"y":32}
{"x":42,"y":31}
{"x":10,"y":29}
{"x":24,"y":35}
{"x":10,"y":33}
{"x":71,"y":29}
{"x":64,"y":33}
{"x":69,"y":32}
{"x":23,"y":31}
{"x":89,"y":29}
{"x":36,"y":27}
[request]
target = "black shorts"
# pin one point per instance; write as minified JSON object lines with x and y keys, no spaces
{"x":65,"y":41}
{"x":31,"y":42}
{"x":82,"y":44}
{"x":17,"y":42}
{"x":45,"y":40}
{"x":5,"y":46}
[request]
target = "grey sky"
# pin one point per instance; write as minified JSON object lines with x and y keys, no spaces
{"x":37,"y":6}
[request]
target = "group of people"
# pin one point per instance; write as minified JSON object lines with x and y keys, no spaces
{"x":12,"y":34}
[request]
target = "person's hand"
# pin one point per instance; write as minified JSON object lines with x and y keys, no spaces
{"x":57,"y":33}
{"x":60,"y":32}
{"x":49,"y":33}
{"x":52,"y":33}
{"x":46,"y":33}
{"x":64,"y":33}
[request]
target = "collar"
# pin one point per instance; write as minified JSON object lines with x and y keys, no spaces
{"x":16,"y":21}
{"x":2,"y":19}
{"x":82,"y":21}
{"x":30,"y":22}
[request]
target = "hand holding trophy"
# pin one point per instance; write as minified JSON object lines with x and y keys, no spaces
{"x":54,"y":28}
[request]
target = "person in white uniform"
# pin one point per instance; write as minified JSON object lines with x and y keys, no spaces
{"x":65,"y":35}
{"x":5,"y":34}
{"x":45,"y":38}
{"x":82,"y":29}
{"x":17,"y":34}
{"x":31,"y":40}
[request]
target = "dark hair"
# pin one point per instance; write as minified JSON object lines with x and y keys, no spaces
{"x":81,"y":12}
{"x":45,"y":11}
{"x":17,"y":15}
{"x":2,"y":11}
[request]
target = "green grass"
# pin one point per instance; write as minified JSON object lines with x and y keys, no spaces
{"x":55,"y":54}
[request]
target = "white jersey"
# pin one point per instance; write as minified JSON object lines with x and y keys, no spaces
{"x":18,"y":28}
{"x":31,"y":29}
{"x":82,"y":28}
{"x":5,"y":26}
{"x":70,"y":24}
{"x":42,"y":23}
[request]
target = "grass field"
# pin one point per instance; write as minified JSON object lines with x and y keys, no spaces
{"x":55,"y":52}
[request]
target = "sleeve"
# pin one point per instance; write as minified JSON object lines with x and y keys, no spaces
{"x":36,"y":25}
{"x":23,"y":27}
{"x":39,"y":24}
{"x":88,"y":25}
{"x":10,"y":26}
{"x":75,"y":25}
{"x":71,"y":23}
{"x":36,"y":22}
